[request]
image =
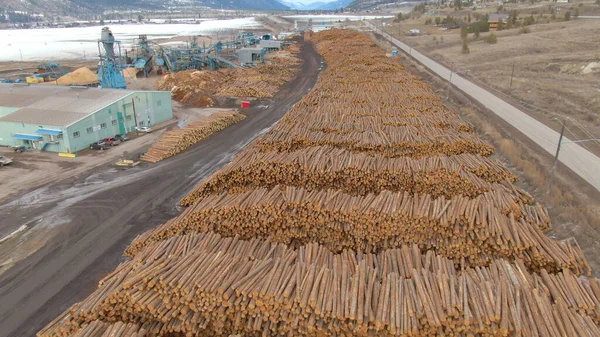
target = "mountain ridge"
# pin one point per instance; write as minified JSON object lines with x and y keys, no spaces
{"x":319,"y":5}
{"x":73,"y":7}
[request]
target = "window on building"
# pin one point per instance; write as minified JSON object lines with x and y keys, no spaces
{"x":90,"y":130}
{"x":75,"y":134}
{"x":103,"y":125}
{"x":141,"y":123}
{"x":114,"y":122}
{"x":158,"y":103}
{"x":128,"y":117}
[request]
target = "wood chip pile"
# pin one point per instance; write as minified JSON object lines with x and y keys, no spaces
{"x":206,"y":285}
{"x":179,"y":139}
{"x":370,"y":209}
{"x":196,"y":87}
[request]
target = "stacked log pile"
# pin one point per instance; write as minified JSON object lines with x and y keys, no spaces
{"x":359,"y":174}
{"x":206,"y":285}
{"x":370,"y":209}
{"x":194,"y":87}
{"x":178,"y":140}
{"x":198,"y":88}
{"x":388,"y":141}
{"x":472,"y":230}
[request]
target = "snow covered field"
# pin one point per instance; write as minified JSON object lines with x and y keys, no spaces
{"x":74,"y":43}
{"x":317,"y":19}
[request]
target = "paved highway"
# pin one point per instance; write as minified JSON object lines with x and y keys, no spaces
{"x":582,"y":162}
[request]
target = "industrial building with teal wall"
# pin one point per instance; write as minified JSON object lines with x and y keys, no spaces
{"x":69,"y":119}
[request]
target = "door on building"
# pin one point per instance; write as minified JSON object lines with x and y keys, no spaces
{"x":128,"y":113}
{"x":121,"y":120}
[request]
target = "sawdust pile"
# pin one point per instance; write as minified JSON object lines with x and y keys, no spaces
{"x":198,"y":88}
{"x":81,"y":76}
{"x":129,"y":73}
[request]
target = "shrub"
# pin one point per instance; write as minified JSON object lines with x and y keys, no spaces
{"x":568,"y":16}
{"x":464,"y":31}
{"x":513,"y":16}
{"x":529,"y":20}
{"x":465,"y":47}
{"x":524,"y":30}
{"x":451,"y":22}
{"x":482,"y":26}
{"x":491,"y":39}
{"x":438,"y":20}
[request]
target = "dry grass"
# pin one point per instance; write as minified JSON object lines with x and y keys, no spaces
{"x":549,"y":61}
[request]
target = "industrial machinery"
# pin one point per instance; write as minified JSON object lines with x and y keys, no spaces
{"x":143,"y":62}
{"x":49,"y":71}
{"x":221,"y":54}
{"x":111,"y":62}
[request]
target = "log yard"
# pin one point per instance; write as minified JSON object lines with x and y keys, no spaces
{"x":329,"y":181}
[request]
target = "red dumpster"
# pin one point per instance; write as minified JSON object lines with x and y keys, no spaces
{"x":245,"y":104}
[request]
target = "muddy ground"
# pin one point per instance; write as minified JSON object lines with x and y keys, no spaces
{"x":91,"y":218}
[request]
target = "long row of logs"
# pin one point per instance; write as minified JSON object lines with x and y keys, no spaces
{"x":346,"y":124}
{"x":178,"y":140}
{"x":205,"y":285}
{"x":458,"y":228}
{"x":359,"y":174}
{"x":369,"y":104}
{"x":388,"y":141}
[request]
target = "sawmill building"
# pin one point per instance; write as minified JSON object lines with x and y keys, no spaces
{"x":69,"y":119}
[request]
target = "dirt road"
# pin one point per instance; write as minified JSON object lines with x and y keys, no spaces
{"x":582,"y":162}
{"x":95,"y":217}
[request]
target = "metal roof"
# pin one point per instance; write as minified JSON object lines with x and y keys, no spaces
{"x":26,"y":136}
{"x":55,"y":105}
{"x":497,"y":17}
{"x":48,"y":132}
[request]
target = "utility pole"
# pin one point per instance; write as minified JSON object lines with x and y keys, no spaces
{"x":562,"y":132}
{"x":511,"y":75}
{"x":137,"y":133}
